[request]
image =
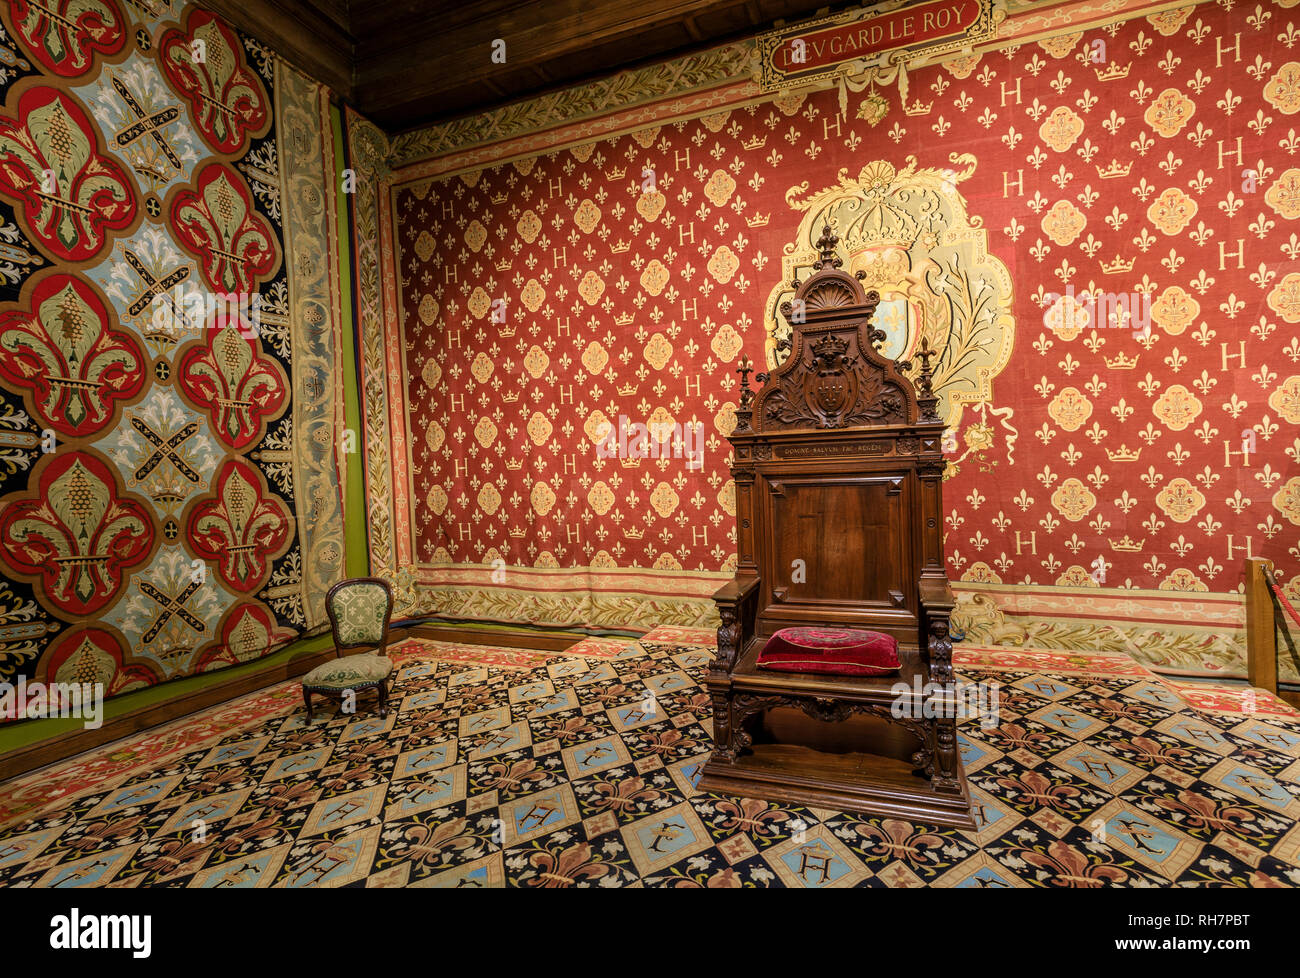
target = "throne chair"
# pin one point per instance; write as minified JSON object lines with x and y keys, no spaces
{"x":833,"y":683}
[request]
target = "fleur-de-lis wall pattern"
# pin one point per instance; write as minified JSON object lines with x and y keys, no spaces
{"x":1091,"y":218}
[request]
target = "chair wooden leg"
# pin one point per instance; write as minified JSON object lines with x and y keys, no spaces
{"x":383,"y":698}
{"x":306,"y":698}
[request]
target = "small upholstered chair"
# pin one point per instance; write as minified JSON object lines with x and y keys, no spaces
{"x":360,"y":610}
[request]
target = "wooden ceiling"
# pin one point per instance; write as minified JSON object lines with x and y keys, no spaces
{"x":406,"y":63}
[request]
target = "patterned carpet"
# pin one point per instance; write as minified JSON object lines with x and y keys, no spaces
{"x":508,"y":768}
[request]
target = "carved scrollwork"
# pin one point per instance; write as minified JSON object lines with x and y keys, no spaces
{"x":945,"y":770}
{"x":940,"y":652}
{"x":834,"y":390}
{"x":724,"y":749}
{"x":831,"y":294}
{"x":743,"y":706}
{"x":923,"y":761}
{"x":834,"y":376}
{"x":931,"y":469}
{"x":728,"y":638}
{"x":827,"y":710}
{"x":946,"y":763}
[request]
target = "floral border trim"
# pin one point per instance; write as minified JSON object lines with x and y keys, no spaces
{"x":706,"y":69}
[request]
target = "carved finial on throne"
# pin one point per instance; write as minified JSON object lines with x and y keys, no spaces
{"x":744,"y":411}
{"x":924,"y":381}
{"x":745,"y":367}
{"x":826,"y":246}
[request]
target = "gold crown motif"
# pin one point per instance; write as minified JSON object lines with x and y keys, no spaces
{"x":516,"y":532}
{"x":1118,"y":266}
{"x":1112,"y":72}
{"x":1122,"y":362}
{"x":1123,"y":454}
{"x":627,"y":390}
{"x":507,"y":331}
{"x":1114,"y":169}
{"x":514,"y":464}
{"x":510,"y":397}
{"x":634,"y":533}
{"x":499,"y":198}
{"x":503,"y":265}
{"x":618,"y":173}
{"x":620,"y":246}
{"x":630,"y":463}
{"x":623,"y":319}
{"x":759,"y":220}
{"x":1127,"y":545}
{"x":755,"y":142}
{"x":167,"y":496}
{"x":918,"y":107}
{"x":167,"y":338}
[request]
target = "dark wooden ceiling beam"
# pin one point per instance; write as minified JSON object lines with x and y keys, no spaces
{"x":551,"y":33}
{"x":406,"y":63}
{"x":309,"y":34}
{"x":372,"y":21}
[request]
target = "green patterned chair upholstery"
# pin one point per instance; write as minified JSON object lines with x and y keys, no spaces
{"x":360,"y":610}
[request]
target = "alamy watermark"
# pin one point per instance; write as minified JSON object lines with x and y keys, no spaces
{"x":179,"y":310}
{"x":1117,"y":310}
{"x":43,"y":701}
{"x":632,"y":440}
{"x":77,"y":931}
{"x":956,"y":700}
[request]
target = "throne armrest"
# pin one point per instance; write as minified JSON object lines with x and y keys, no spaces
{"x":936,"y":596}
{"x":937,"y":602}
{"x":737,"y":602}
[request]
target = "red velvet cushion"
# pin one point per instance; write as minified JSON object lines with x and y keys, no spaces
{"x":840,"y":651}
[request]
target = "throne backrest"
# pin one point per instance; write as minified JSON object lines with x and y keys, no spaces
{"x":838,"y":462}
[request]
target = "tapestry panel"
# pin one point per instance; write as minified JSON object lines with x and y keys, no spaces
{"x":169,"y":392}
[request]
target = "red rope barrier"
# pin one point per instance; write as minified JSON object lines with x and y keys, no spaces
{"x":1277,"y":589}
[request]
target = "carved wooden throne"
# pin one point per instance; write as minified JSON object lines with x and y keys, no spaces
{"x":839,"y":507}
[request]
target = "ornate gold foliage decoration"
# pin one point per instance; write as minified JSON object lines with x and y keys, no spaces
{"x":908,"y":233}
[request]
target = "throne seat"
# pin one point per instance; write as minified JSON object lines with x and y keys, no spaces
{"x":836,"y":651}
{"x":833,"y":740}
{"x":752,"y":676}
